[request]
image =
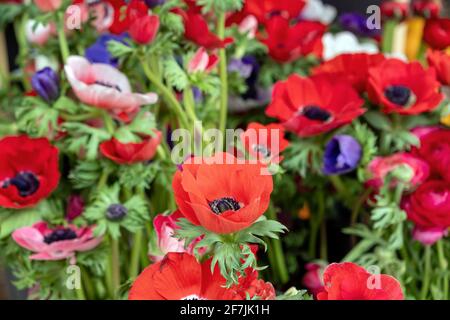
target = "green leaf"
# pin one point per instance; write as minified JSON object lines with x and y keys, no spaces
{"x":220,"y":5}
{"x":175,"y":75}
{"x":18,"y":218}
{"x":84,"y":139}
{"x":8,"y":13}
{"x":378,"y":120}
{"x":65,"y":104}
{"x":119,"y":49}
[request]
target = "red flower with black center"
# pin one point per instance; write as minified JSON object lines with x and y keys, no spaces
{"x":221,"y":193}
{"x":353,"y":67}
{"x":265,"y":142}
{"x":196,"y":30}
{"x":311,"y":106}
{"x":348,"y":281}
{"x":440,"y":61}
{"x":437,"y":33}
{"x":129,"y":153}
{"x":265,"y":9}
{"x":28,"y":171}
{"x":288,"y":42}
{"x":403,"y":88}
{"x":179,"y":276}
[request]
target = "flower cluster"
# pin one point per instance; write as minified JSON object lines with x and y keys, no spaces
{"x":174,"y":149}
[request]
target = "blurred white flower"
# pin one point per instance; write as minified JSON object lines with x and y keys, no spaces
{"x":315,"y":10}
{"x":38,"y":33}
{"x":345,"y":42}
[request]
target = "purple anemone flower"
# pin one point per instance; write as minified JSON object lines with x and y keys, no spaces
{"x":357,"y":24}
{"x":342,"y":154}
{"x":154,"y":3}
{"x":98,"y":51}
{"x":46,"y":84}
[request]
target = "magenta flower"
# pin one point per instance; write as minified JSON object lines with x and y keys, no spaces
{"x":381,"y":166}
{"x":55,"y":244}
{"x":105,"y":87}
{"x":429,"y":236}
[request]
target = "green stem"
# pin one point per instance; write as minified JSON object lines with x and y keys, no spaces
{"x":223,"y":76}
{"x":90,"y":290}
{"x":81,"y":117}
{"x":80,"y":293}
{"x":19,"y":29}
{"x":115,"y":267}
{"x":108,"y":122}
{"x":134,"y":263}
{"x":388,"y":36}
{"x":278,"y":251}
{"x":427,"y":274}
{"x":444,"y":265}
{"x":64,"y":47}
{"x":166,"y":93}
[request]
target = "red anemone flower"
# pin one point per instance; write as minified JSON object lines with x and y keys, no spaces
{"x":437,"y":33}
{"x":129,"y":153}
{"x":288,"y":42}
{"x":440,"y":61}
{"x":221,"y":193}
{"x":403,"y":88}
{"x":310,"y":106}
{"x":265,"y":142}
{"x":348,"y":281}
{"x":120,"y":22}
{"x":265,"y":9}
{"x":353,"y":67}
{"x":179,"y":276}
{"x":28,"y":171}
{"x":196,"y":30}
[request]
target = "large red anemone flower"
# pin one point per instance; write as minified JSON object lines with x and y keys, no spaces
{"x":353,"y":67}
{"x":311,"y":106}
{"x":28,"y":171}
{"x":196,"y":30}
{"x":348,"y":281}
{"x":403,"y":88}
{"x":221,"y":193}
{"x":179,"y":276}
{"x":287,"y":42}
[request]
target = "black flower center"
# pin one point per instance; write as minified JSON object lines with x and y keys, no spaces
{"x":26,"y":183}
{"x":262,"y":149}
{"x":59,"y":235}
{"x":222,"y":205}
{"x":116,"y":212}
{"x":316,"y":113}
{"x":108,"y":85}
{"x":399,"y":95}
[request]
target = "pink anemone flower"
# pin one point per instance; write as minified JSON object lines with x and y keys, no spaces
{"x":55,"y":244}
{"x":105,"y":87}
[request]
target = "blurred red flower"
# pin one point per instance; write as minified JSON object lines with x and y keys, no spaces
{"x":348,"y":281}
{"x":220,"y":194}
{"x":429,"y":206}
{"x":353,"y":67}
{"x":28,"y":171}
{"x":404,"y":88}
{"x":129,"y":153}
{"x":437,"y":33}
{"x":440,"y":61}
{"x":263,"y":10}
{"x":287,"y":42}
{"x":311,"y":106}
{"x":265,"y":142}
{"x":196,"y":30}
